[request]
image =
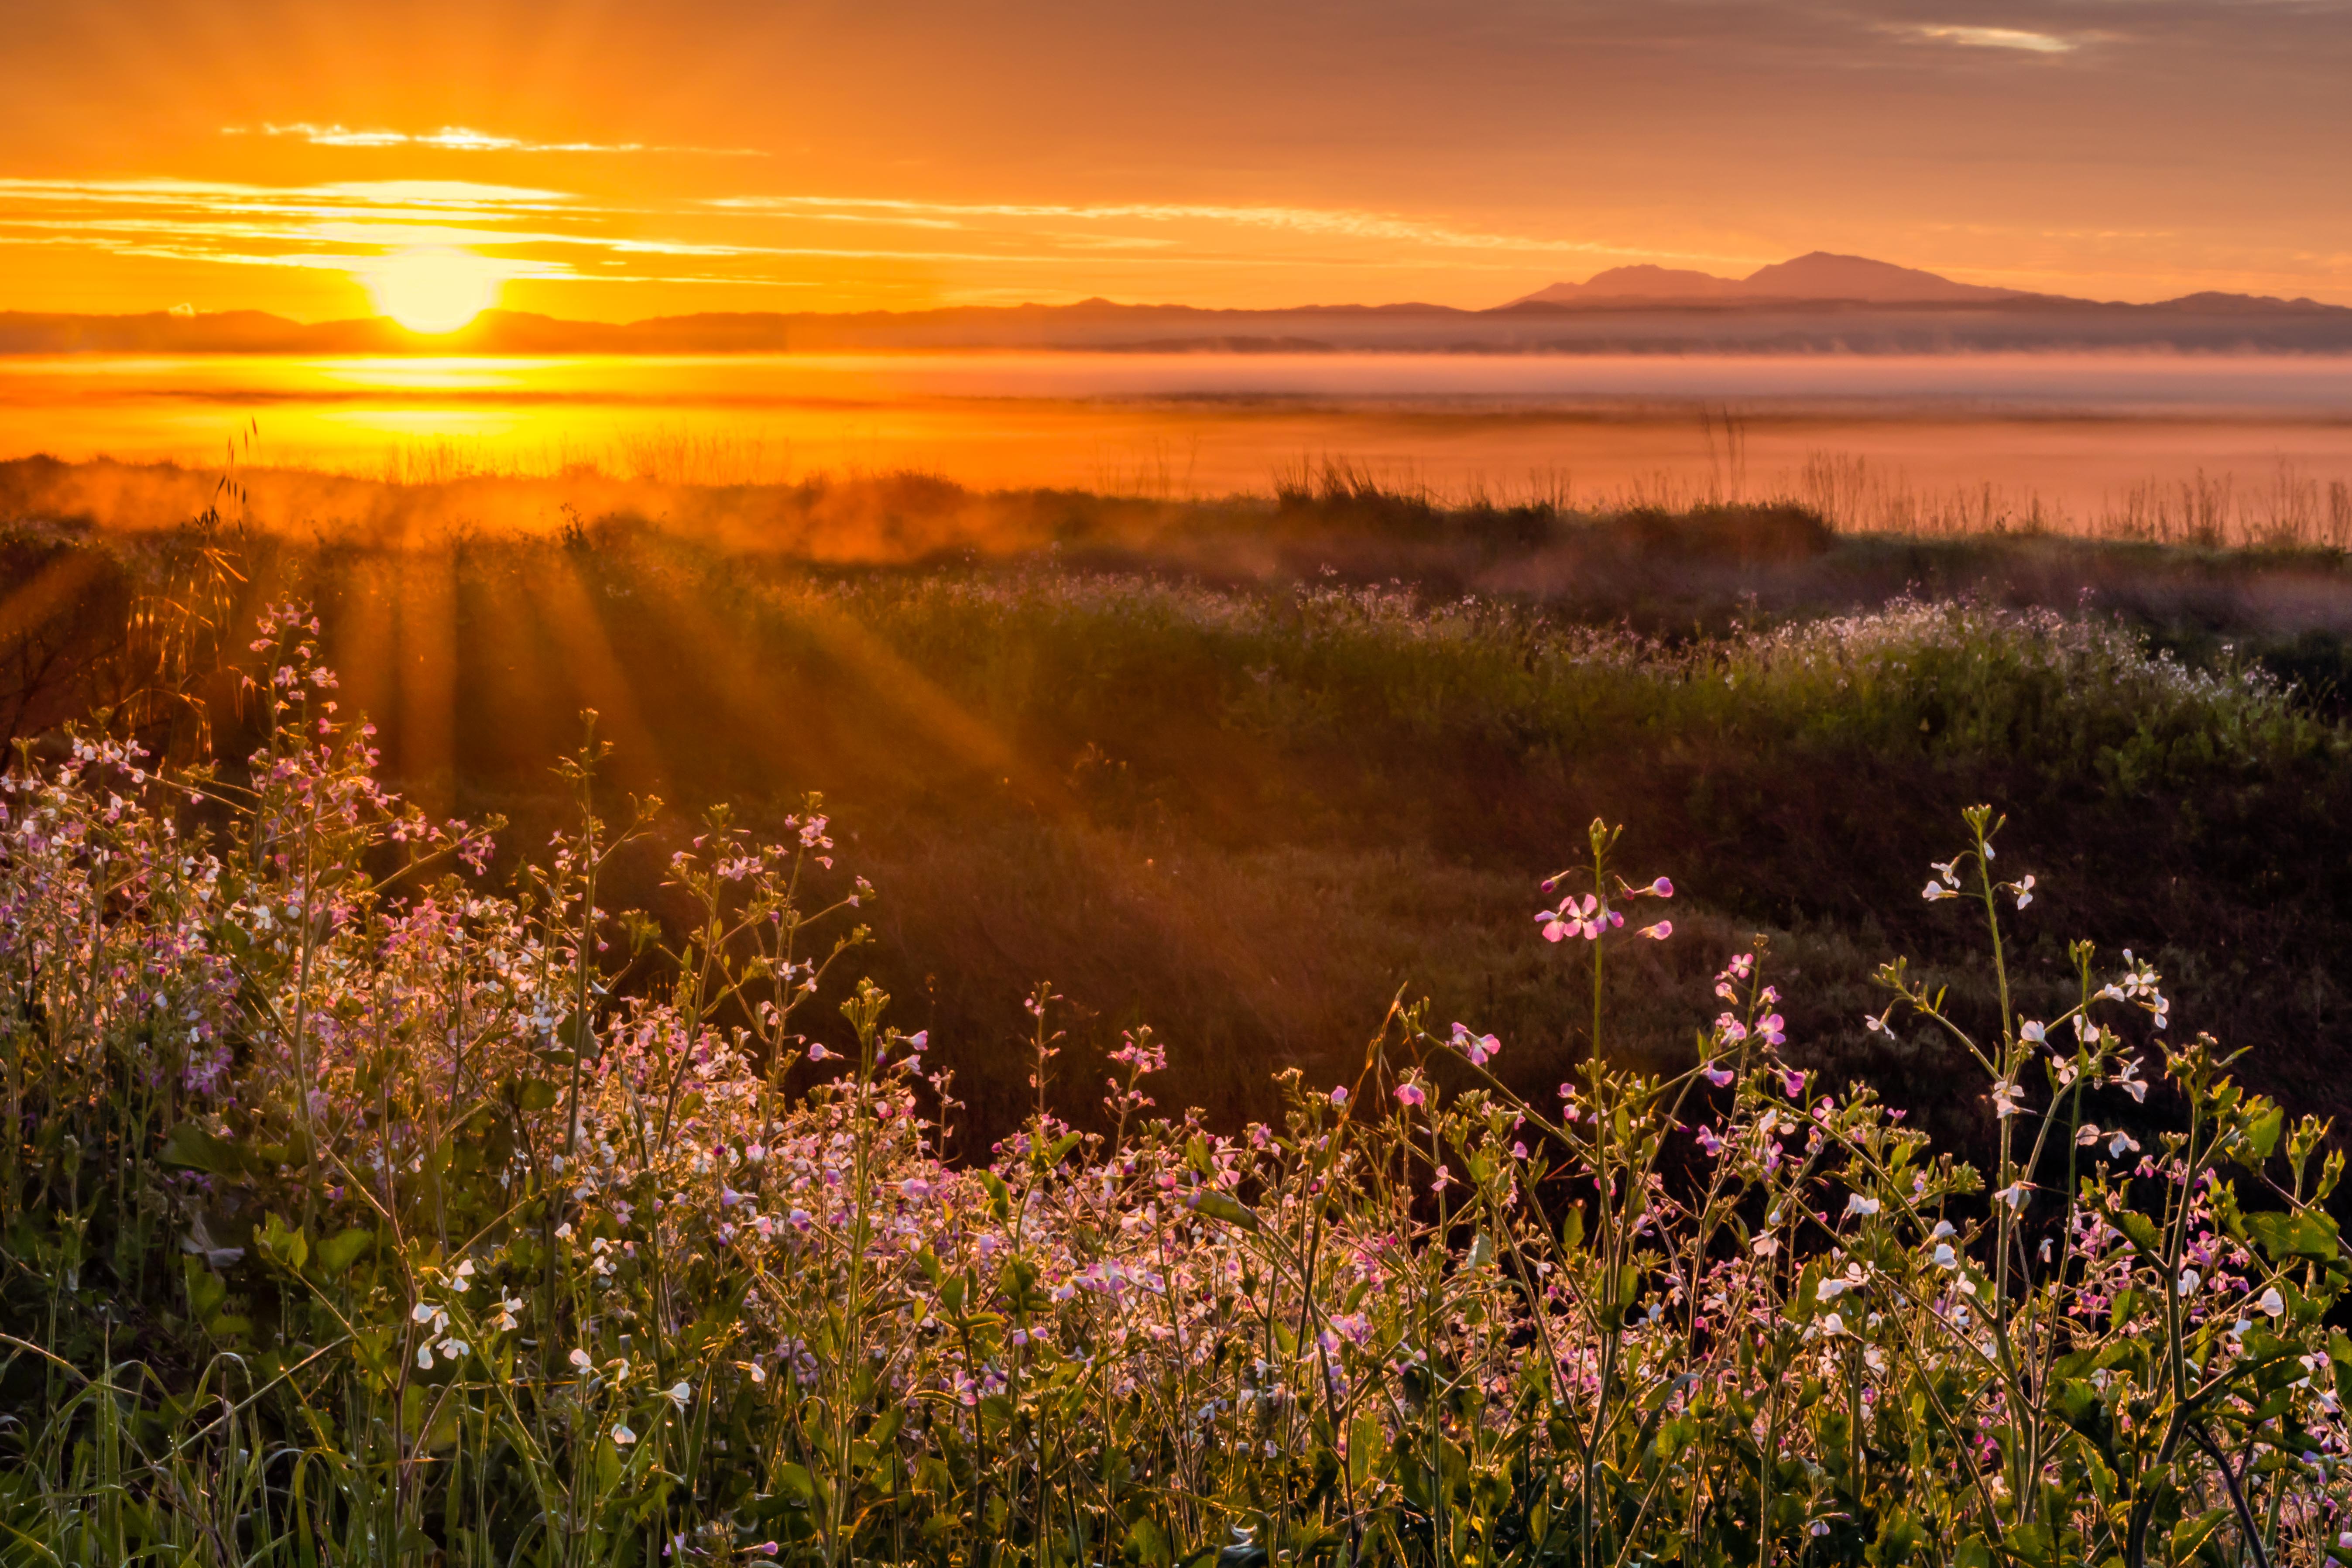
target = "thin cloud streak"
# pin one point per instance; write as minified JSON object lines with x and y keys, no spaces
{"x":464,"y":138}
{"x":2016,"y":38}
{"x":335,"y":198}
{"x":556,"y":235}
{"x":1335,"y":221}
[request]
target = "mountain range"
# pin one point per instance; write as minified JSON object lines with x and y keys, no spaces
{"x":1812,"y":304}
{"x":1817,"y":276}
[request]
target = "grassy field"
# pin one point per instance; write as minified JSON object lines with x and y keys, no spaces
{"x":1140,"y":1115}
{"x":1243,"y":770}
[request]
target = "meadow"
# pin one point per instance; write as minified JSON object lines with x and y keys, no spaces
{"x":435,"y":1149}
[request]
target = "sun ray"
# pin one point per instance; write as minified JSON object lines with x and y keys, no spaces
{"x":428,"y":675}
{"x":568,"y":613}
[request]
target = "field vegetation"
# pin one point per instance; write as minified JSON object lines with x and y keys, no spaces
{"x":433,"y":1146}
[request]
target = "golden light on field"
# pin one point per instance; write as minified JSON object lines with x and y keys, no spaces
{"x":436,"y":291}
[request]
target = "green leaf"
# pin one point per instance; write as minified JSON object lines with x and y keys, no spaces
{"x":1220,"y":1206}
{"x":2262,"y":1131}
{"x":191,"y":1148}
{"x":1000,"y":1196}
{"x":1148,"y":1544}
{"x":2141,"y":1231}
{"x":2307,"y":1234}
{"x":283,"y":1244}
{"x":206,"y":1291}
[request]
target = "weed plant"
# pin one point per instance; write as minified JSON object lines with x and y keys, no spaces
{"x":356,"y":1213}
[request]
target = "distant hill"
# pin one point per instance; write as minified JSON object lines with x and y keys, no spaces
{"x":1819,"y":304}
{"x":1819,"y":275}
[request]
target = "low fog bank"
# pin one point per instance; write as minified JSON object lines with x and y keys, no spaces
{"x":2205,"y":563}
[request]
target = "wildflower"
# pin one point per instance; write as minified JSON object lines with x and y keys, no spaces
{"x":2032,"y":1032}
{"x":1944,"y":1258}
{"x":1832,"y":1323}
{"x":817,"y":1053}
{"x":1339,"y":1096}
{"x":680,"y":1395}
{"x":1721,"y":1076}
{"x":1708,"y":1141}
{"x":2128,"y":1080}
{"x":580,"y":1359}
{"x":1586,"y":917}
{"x":1935,"y":890}
{"x":2122,"y":1143}
{"x":1793,"y":1082}
{"x":1660,"y":931}
{"x":622,"y":1437}
{"x":2189,"y":1281}
{"x":2015,"y":1195}
{"x":1411,"y":1094}
{"x":1770,"y":1028}
{"x":425,"y":1357}
{"x":1856,"y":1203}
{"x":2024,"y":891}
{"x":2008,"y":1099}
{"x":1831,"y":1288}
{"x":2272,"y":1303}
{"x":1479,"y":1048}
{"x":1445,"y":1179}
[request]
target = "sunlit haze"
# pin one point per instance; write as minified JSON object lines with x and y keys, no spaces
{"x":608,"y":161}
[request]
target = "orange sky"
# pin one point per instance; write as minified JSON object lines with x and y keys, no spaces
{"x":620,"y":160}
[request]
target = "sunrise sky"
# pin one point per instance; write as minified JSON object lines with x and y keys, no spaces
{"x":606,"y":160}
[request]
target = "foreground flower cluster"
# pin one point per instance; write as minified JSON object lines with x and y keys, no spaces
{"x":355,"y":1213}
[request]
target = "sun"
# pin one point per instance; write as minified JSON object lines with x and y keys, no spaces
{"x":436,"y":291}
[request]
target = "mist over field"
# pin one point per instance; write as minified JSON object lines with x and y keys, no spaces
{"x":2146,"y":444}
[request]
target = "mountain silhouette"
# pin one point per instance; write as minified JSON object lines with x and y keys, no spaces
{"x":1818,"y":275}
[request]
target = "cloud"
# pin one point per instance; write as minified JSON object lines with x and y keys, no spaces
{"x":464,"y":139}
{"x":1340,"y":223}
{"x":1994,"y":39}
{"x":228,"y":194}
